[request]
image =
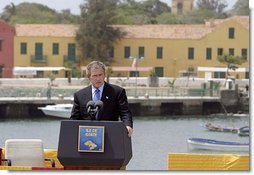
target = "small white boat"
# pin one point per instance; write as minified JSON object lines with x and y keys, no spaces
{"x":208,"y":144}
{"x":58,"y":110}
{"x":230,"y":115}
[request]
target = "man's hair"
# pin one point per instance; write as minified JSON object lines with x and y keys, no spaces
{"x":95,"y":65}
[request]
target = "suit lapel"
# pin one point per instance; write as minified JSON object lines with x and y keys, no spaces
{"x":87,"y":95}
{"x":104,"y":99}
{"x":90,"y":95}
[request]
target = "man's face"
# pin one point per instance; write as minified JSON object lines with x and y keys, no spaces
{"x":97,"y":77}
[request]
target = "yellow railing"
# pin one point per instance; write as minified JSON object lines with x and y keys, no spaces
{"x":187,"y":161}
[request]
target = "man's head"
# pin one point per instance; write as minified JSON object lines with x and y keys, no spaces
{"x":96,"y":73}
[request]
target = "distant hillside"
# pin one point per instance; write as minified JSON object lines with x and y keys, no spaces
{"x":32,"y":13}
{"x":126,"y":12}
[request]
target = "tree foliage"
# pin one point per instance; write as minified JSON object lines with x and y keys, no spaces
{"x":95,"y":35}
{"x":213,"y":5}
{"x":9,"y":11}
{"x":32,"y":13}
{"x":228,"y":58}
{"x":126,"y":12}
{"x":146,"y":12}
{"x":241,"y":7}
{"x":231,"y":61}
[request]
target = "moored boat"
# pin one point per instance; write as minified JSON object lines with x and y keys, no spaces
{"x":213,"y":127}
{"x":244,"y":131}
{"x":230,"y":115}
{"x":58,"y":110}
{"x":209,"y":144}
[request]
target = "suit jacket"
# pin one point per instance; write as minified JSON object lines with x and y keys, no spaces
{"x":115,"y":104}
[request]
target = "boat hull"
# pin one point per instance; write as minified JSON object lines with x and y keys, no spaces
{"x":58,"y":110}
{"x":207,"y":144}
{"x":244,"y":131}
{"x":217,"y":128}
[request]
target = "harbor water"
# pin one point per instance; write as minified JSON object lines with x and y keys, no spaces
{"x":152,"y":140}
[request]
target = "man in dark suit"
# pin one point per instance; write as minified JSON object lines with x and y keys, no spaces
{"x":115,"y":104}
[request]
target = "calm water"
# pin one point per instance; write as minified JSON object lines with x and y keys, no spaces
{"x":152,"y":140}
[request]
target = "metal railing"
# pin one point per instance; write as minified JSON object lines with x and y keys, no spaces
{"x":172,"y":92}
{"x":71,"y":58}
{"x":141,"y":92}
{"x":38,"y":58}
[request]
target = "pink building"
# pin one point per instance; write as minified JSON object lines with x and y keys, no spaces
{"x":7,"y":33}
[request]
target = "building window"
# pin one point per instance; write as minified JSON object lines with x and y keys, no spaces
{"x":1,"y":71}
{"x":134,"y":73}
{"x":247,"y":75}
{"x":244,"y":53}
{"x":23,"y":48}
{"x":208,"y":53}
{"x":71,"y":51}
{"x":0,"y":45}
{"x":111,"y":52}
{"x":159,"y":71}
{"x":38,"y":51}
{"x":159,"y":52}
{"x":219,"y":74}
{"x":55,"y":48}
{"x":190,"y":53}
{"x":179,"y":8}
{"x":231,"y":51}
{"x":127,"y":52}
{"x":54,"y":72}
{"x":40,"y":74}
{"x":231,"y":33}
{"x":141,"y":52}
{"x":220,"y":51}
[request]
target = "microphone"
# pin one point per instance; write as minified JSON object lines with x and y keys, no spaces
{"x":98,"y":105}
{"x":89,"y":106}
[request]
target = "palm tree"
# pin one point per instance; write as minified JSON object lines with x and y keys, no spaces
{"x":9,"y":11}
{"x":231,"y":61}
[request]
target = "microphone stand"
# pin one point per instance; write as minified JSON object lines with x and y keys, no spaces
{"x":94,"y":108}
{"x":92,"y":114}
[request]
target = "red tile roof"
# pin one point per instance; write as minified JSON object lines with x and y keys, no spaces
{"x":160,"y":31}
{"x":44,"y":30}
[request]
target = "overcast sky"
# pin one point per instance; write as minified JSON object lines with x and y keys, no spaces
{"x":73,"y":5}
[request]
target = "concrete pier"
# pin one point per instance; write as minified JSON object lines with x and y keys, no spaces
{"x":153,"y":106}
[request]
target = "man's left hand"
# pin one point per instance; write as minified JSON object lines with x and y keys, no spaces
{"x":130,"y":130}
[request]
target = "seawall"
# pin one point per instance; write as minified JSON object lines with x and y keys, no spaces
{"x":23,"y":107}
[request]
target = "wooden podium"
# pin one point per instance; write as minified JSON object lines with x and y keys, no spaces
{"x":117,"y":148}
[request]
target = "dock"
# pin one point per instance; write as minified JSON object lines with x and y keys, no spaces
{"x":23,"y":107}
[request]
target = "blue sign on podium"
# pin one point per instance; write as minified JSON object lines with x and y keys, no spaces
{"x":91,"y":139}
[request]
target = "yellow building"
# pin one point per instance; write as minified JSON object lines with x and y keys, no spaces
{"x":40,"y":45}
{"x":172,"y":50}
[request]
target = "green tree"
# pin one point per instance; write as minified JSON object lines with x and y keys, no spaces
{"x":153,"y":8}
{"x":231,"y":61}
{"x":241,"y":7}
{"x":198,"y":16}
{"x":130,"y":12}
{"x":144,"y":12}
{"x":95,"y":35}
{"x":34,"y":13}
{"x":213,"y":5}
{"x":65,"y":17}
{"x":109,"y":72}
{"x":168,"y":18}
{"x":9,"y":11}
